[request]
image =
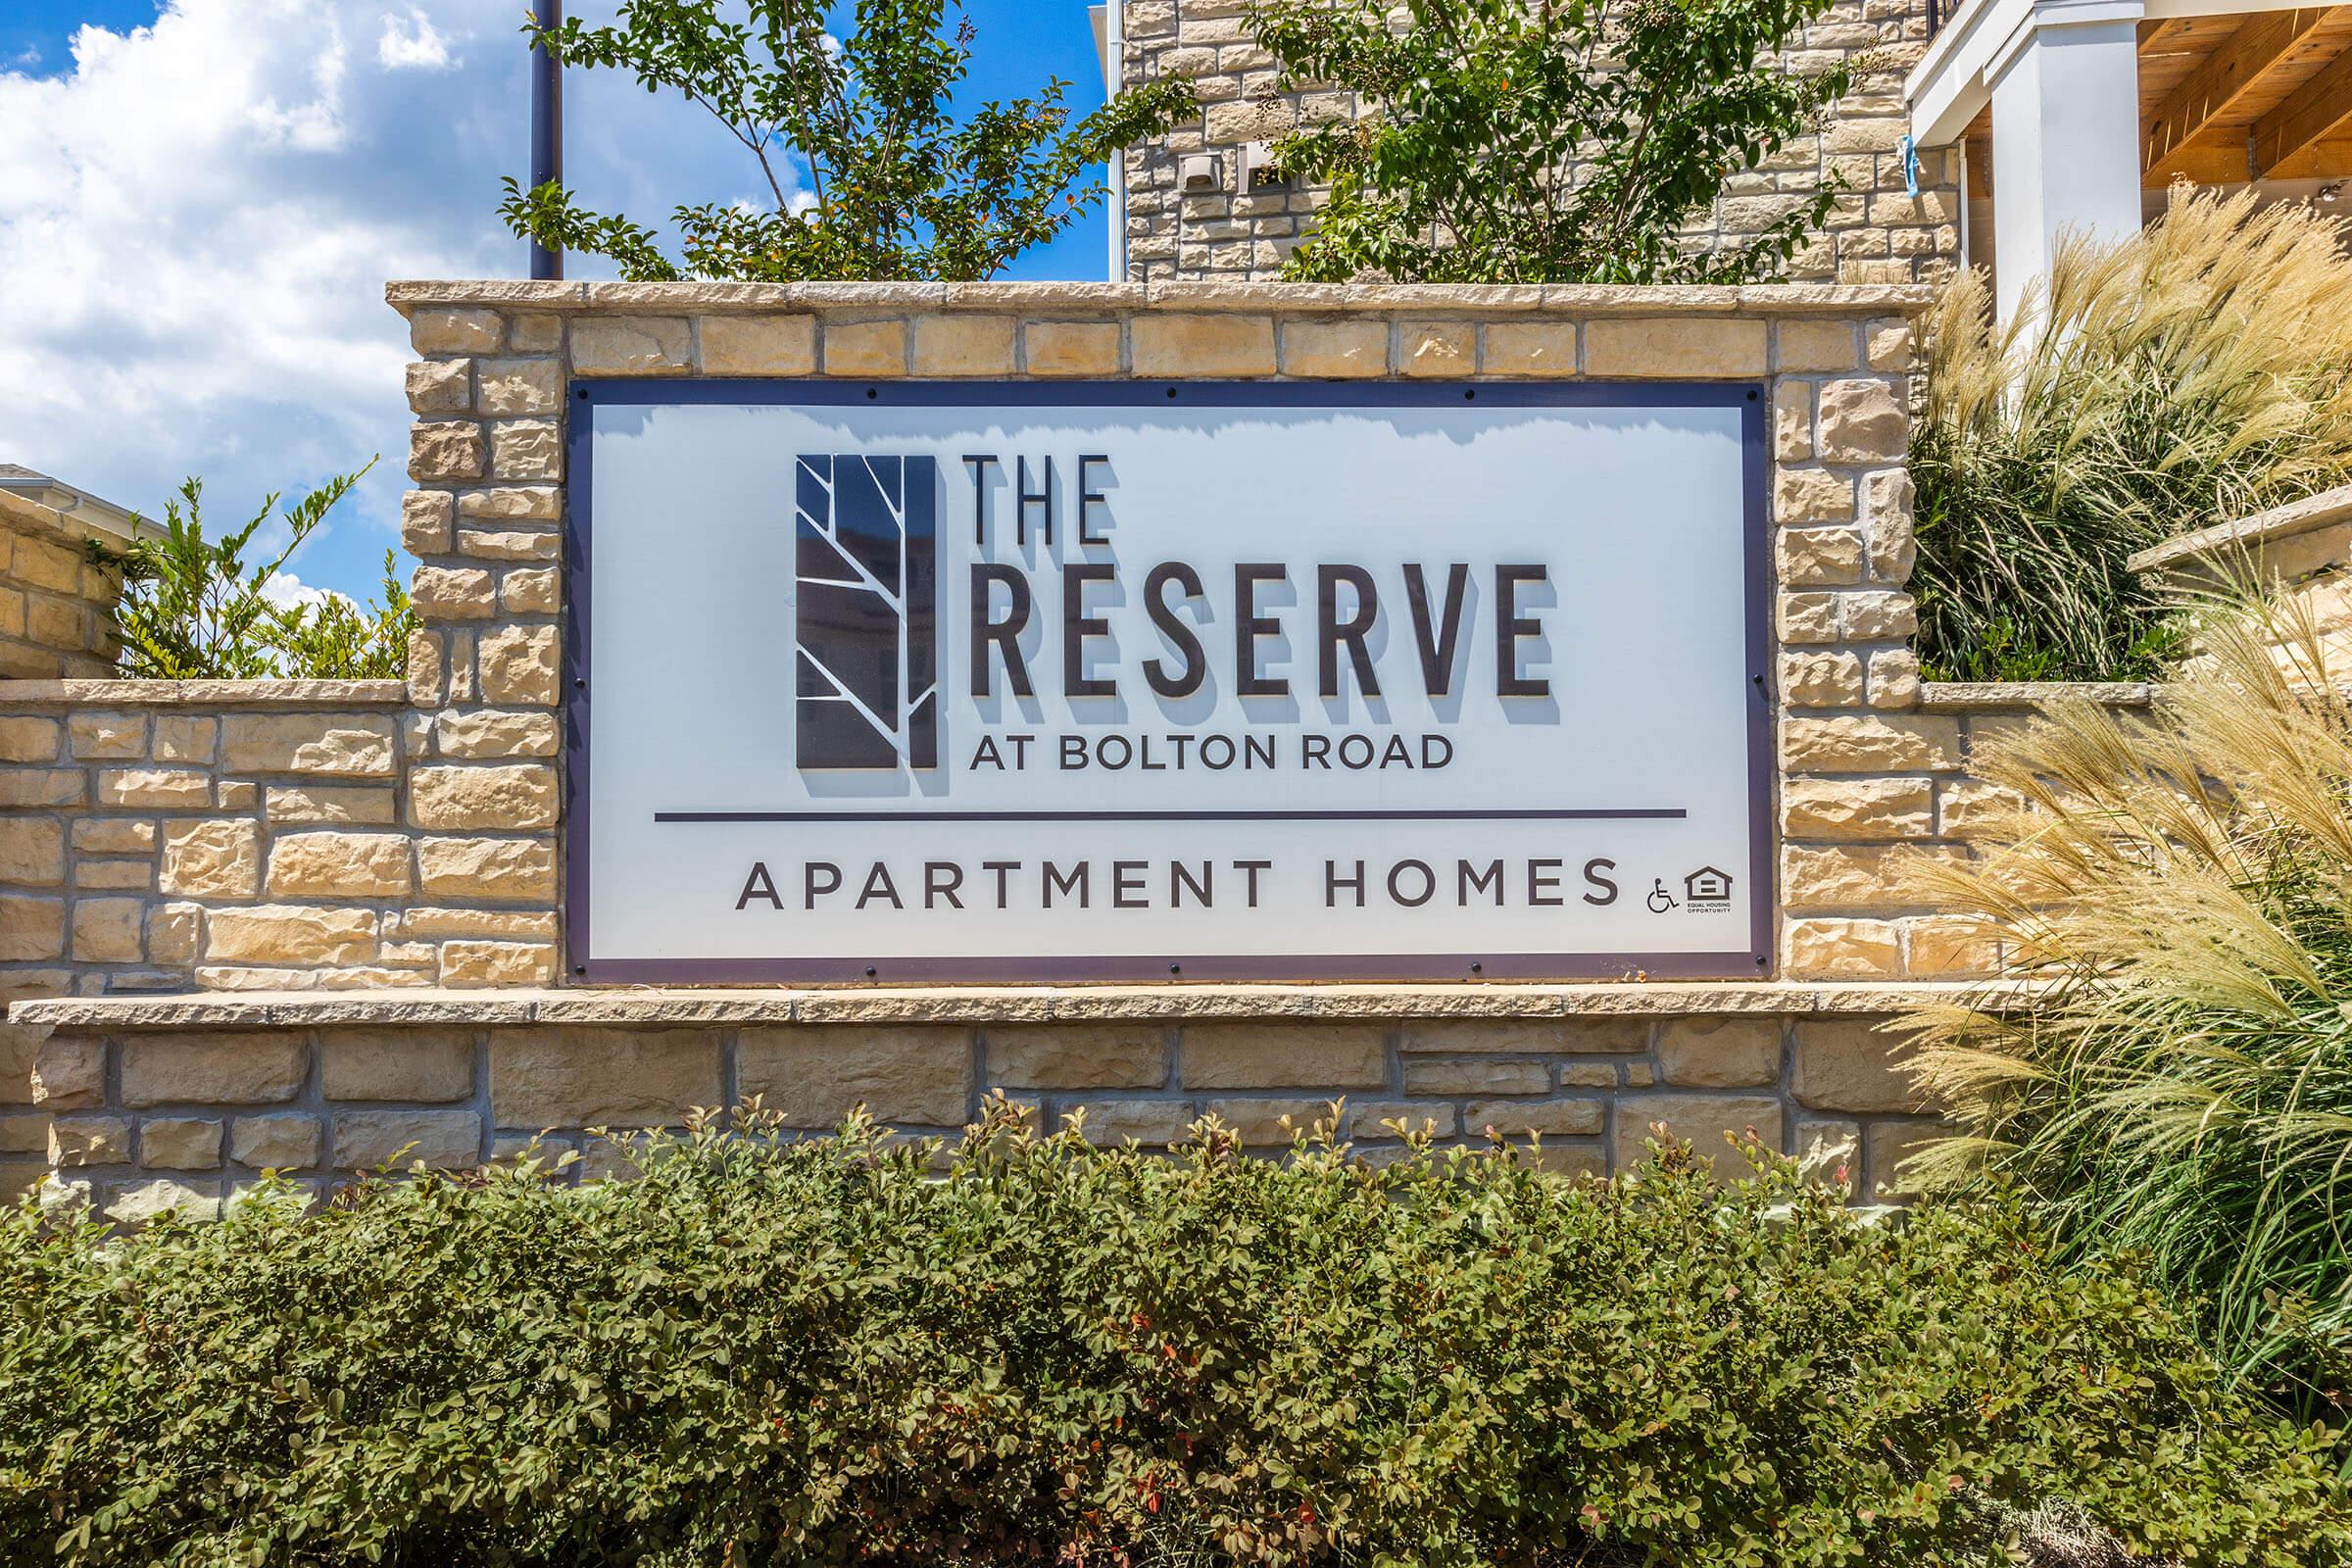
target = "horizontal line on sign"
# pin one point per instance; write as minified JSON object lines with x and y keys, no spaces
{"x":1641,"y":813}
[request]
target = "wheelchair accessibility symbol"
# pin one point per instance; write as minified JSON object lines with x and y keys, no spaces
{"x":1660,"y":901}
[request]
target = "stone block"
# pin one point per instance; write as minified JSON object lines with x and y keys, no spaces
{"x":1950,"y":948}
{"x":107,"y":737}
{"x":186,"y":738}
{"x":1179,"y":346}
{"x":32,"y":852}
{"x":1272,"y":1055}
{"x":478,"y":734}
{"x":1152,"y":1123}
{"x":520,"y":664}
{"x":276,"y":1143}
{"x":227,"y":1069}
{"x":508,"y":387}
{"x":1705,"y":1121}
{"x":1893,"y":678}
{"x":31,"y":927}
{"x":1886,"y":1145}
{"x":1719,"y":1053}
{"x":487,"y":868}
{"x":513,"y":503}
{"x":813,"y":1075}
{"x":212,"y":859}
{"x":168,"y":789}
{"x":1525,"y":1036}
{"x":113,"y":876}
{"x":631,"y":345}
{"x":1857,"y":809}
{"x":506,"y":544}
{"x":865,"y":348}
{"x":81,"y":1141}
{"x":24,"y":1132}
{"x":1437,"y":350}
{"x":1511,"y":1118}
{"x":442,"y":1139}
{"x":28,"y":739}
{"x":180,"y":1142}
{"x":107,"y":930}
{"x":1476,"y":1077}
{"x":601,"y":1077}
{"x":469,"y":963}
{"x":441,"y":386}
{"x":354,"y":804}
{"x":433,"y":1066}
{"x":455,"y":331}
{"x":1811,"y":495}
{"x":100,"y":835}
{"x":515,"y":797}
{"x":1114,"y":1056}
{"x":532,"y":591}
{"x":290,"y":933}
{"x":963,"y":345}
{"x":1870,"y":743}
{"x":526,"y":450}
{"x":1530,"y":348}
{"x":37,"y":787}
{"x":151,"y":1201}
{"x":1801,"y":344}
{"x":1826,"y":948}
{"x":1675,"y":346}
{"x":759,"y":345}
{"x":1863,"y":421}
{"x":69,"y":1073}
{"x":342,"y":745}
{"x":329,"y":864}
{"x":1071,"y":348}
{"x":446,"y":450}
{"x":1851,"y":1064}
{"x":1331,"y":350}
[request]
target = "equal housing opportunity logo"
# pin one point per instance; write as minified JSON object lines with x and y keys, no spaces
{"x":865,"y":643}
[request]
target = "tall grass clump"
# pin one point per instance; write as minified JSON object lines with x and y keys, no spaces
{"x":2184,"y":884}
{"x":2197,"y":373}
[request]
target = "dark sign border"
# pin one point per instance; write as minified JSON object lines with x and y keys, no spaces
{"x":580,"y":563}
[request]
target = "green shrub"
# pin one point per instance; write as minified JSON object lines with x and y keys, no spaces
{"x":2184,"y":885}
{"x":822,"y":1353}
{"x":2194,"y":374}
{"x":193,"y":610}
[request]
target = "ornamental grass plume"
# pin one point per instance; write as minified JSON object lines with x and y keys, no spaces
{"x":2194,"y":374}
{"x":2184,"y":884}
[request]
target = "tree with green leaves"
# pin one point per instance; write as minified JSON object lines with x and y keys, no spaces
{"x":193,"y":610}
{"x":897,"y":186}
{"x":1525,"y":141}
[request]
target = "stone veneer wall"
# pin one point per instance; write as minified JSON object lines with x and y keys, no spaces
{"x":1878,"y":232}
{"x":328,"y":866}
{"x":56,"y":608}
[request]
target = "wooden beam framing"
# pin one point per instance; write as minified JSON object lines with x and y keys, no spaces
{"x":2196,"y":107}
{"x":2319,"y":111}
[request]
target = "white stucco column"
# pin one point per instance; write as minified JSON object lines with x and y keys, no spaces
{"x":2065,"y":142}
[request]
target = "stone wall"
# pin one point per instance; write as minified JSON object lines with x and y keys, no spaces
{"x":305,"y":926}
{"x":56,"y":608}
{"x":147,"y":1105}
{"x":1878,"y":232}
{"x":2300,"y":554}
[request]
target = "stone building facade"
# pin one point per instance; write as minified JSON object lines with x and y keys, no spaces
{"x":309,"y":925}
{"x":57,"y":604}
{"x":1879,"y":233}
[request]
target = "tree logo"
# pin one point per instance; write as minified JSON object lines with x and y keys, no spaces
{"x":866,"y":647}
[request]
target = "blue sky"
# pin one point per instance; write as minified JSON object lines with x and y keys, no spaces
{"x":203,"y":201}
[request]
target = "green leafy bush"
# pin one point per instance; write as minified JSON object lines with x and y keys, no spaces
{"x":870,"y":173}
{"x":193,"y":610}
{"x":824,"y":1352}
{"x":2183,"y":884}
{"x":1503,"y":143}
{"x":2196,"y":373}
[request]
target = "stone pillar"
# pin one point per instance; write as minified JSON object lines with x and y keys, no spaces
{"x":2065,"y":143}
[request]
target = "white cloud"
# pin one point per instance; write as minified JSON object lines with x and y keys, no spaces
{"x":410,"y":44}
{"x":284,"y":590}
{"x":201,"y":216}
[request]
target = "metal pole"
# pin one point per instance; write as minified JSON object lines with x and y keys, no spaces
{"x":547,"y":129}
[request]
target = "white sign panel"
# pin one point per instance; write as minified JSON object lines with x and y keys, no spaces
{"x":1136,"y":682}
